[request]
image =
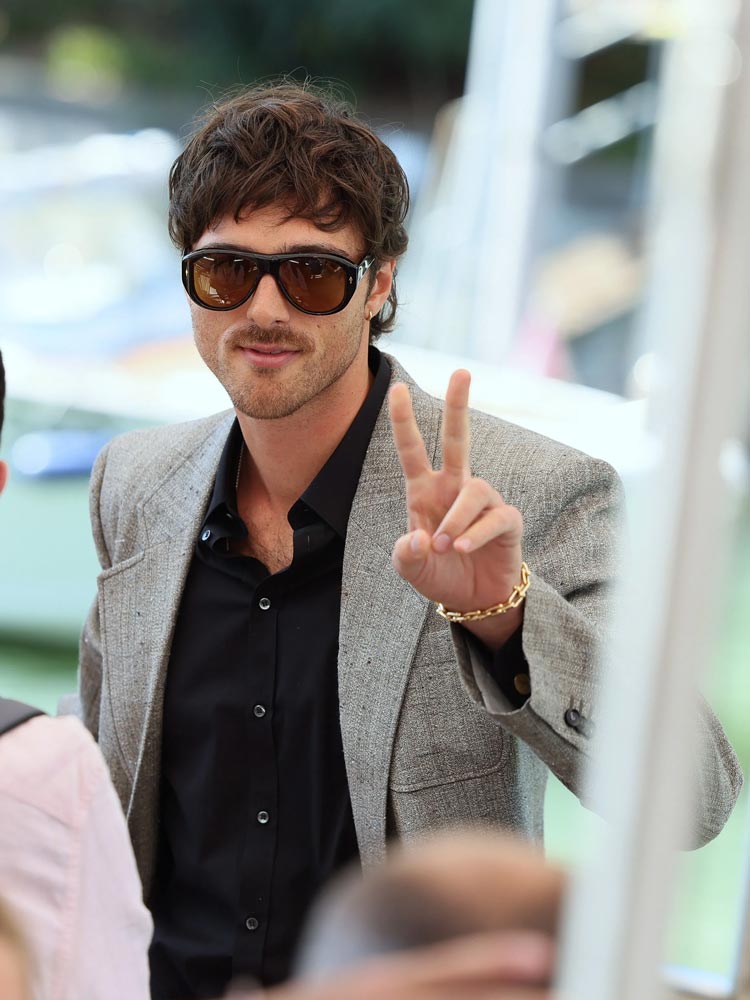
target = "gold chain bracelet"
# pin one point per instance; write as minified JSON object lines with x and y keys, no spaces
{"x":516,"y":597}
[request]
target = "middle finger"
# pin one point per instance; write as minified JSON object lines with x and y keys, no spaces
{"x":456,"y":426}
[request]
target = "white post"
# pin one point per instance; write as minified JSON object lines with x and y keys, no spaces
{"x":696,"y":316}
{"x":464,"y":280}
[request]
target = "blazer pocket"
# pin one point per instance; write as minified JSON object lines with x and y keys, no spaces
{"x":440,"y":767}
{"x":442,"y":736}
{"x":510,"y":796}
{"x":477,"y":801}
{"x":119,"y":567}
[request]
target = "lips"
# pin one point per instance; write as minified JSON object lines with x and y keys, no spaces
{"x":269,"y":355}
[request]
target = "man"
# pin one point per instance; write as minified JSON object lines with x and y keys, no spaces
{"x":66,"y":865}
{"x":264,"y":666}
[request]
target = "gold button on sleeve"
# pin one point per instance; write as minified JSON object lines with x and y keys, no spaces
{"x":522,"y":683}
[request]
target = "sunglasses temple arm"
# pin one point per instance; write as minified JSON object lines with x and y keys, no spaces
{"x":364,"y":267}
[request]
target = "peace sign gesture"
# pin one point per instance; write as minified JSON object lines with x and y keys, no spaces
{"x":463,"y":545}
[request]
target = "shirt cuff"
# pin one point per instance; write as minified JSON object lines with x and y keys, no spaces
{"x":509,"y":669}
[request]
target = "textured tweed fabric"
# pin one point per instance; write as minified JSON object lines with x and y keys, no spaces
{"x":427,"y":738}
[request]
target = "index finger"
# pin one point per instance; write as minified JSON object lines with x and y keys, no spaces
{"x":456,"y":425}
{"x":409,"y":444}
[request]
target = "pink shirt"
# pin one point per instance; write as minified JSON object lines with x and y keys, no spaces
{"x":66,"y":865}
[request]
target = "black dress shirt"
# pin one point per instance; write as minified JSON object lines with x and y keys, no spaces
{"x":255,"y":813}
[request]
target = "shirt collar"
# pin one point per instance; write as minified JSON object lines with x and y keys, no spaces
{"x":224,"y":496}
{"x":331,"y":494}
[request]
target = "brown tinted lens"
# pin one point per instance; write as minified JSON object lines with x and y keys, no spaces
{"x":223,"y":280}
{"x":314,"y":283}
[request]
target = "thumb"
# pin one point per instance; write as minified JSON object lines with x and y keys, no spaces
{"x":410,"y":554}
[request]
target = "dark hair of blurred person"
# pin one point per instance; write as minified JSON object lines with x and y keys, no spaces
{"x":3,"y":466}
{"x":469,"y":913}
{"x":2,"y":391}
{"x":443,"y":886}
{"x":300,"y":148}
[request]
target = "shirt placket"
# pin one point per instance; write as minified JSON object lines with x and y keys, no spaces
{"x":259,"y":853}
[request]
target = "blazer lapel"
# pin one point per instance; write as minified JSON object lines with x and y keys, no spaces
{"x":142,"y":596}
{"x":381,"y":621}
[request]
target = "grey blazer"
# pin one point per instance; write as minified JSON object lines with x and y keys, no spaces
{"x":428,"y":738}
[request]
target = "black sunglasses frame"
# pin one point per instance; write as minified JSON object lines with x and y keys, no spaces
{"x":270,"y":264}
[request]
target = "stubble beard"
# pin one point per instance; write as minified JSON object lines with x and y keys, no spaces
{"x":269,"y":393}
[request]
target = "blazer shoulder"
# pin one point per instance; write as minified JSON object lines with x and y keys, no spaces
{"x":151,"y":442}
{"x":548,"y":481}
{"x":139,"y":460}
{"x":496,"y":442}
{"x":511,"y":457}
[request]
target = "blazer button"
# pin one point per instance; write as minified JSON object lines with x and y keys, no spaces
{"x":572,"y":718}
{"x":251,"y":923}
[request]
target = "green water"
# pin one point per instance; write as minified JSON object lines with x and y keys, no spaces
{"x":37,"y":674}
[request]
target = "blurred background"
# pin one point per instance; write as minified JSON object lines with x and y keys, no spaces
{"x":527,"y":133}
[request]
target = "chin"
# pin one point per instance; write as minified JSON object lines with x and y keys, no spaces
{"x":268,"y":408}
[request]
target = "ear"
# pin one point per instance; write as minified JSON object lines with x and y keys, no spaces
{"x":3,"y":476}
{"x":381,"y":288}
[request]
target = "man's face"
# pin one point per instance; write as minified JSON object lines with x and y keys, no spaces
{"x":316,"y":351}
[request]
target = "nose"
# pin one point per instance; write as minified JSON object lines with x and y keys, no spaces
{"x":267,"y":305}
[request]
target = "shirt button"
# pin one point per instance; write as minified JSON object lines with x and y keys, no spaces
{"x":522,"y":684}
{"x":263,"y":817}
{"x":572,"y":718}
{"x":259,"y":711}
{"x":264,"y":604}
{"x":251,"y":923}
{"x":206,"y":535}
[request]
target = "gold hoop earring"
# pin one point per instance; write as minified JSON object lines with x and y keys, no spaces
{"x":368,"y":316}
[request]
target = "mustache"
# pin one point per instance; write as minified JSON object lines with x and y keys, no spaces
{"x":251,"y":333}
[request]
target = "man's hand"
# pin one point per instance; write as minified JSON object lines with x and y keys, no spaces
{"x":463,"y":545}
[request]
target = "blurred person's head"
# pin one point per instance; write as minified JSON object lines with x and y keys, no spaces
{"x":3,"y":466}
{"x":444,"y":886}
{"x":14,"y":961}
{"x":303,"y":153}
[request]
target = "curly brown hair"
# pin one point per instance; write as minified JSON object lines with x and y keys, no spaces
{"x":299,"y":146}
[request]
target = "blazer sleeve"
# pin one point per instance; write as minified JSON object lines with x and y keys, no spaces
{"x":567,"y":619}
{"x":90,"y":652}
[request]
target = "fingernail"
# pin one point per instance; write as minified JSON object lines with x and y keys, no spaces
{"x":464,"y":545}
{"x":415,"y":544}
{"x":441,"y":543}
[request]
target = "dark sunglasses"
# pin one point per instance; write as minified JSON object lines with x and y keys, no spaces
{"x":314,"y":283}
